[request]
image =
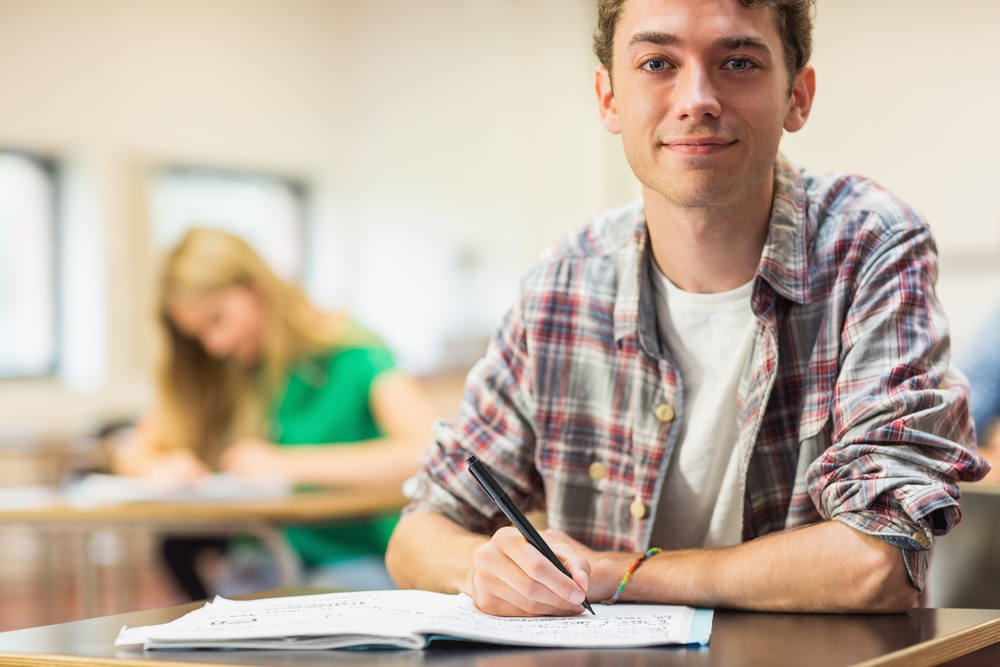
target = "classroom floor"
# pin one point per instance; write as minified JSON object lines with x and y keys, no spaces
{"x":33,"y":594}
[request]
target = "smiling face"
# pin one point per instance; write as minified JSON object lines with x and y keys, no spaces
{"x":228,"y":322}
{"x":700,"y":97}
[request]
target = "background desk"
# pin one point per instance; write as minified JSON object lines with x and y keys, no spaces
{"x":965,"y":564}
{"x":920,"y":638}
{"x":259,"y":518}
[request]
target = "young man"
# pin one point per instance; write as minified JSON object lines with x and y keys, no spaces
{"x":747,"y":368}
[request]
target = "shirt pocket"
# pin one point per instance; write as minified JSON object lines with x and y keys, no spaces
{"x":588,"y":489}
{"x":593,"y":512}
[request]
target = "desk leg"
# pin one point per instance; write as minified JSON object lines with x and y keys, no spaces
{"x":46,"y":572}
{"x":124,"y":573}
{"x":289,"y":565}
{"x":87,"y":582}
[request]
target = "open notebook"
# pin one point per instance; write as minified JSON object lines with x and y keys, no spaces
{"x":410,"y":619}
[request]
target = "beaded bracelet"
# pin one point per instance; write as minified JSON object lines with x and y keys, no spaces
{"x":628,"y":575}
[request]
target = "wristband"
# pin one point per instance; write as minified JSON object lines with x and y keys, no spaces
{"x":628,"y":575}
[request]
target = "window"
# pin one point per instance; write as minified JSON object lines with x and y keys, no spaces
{"x":27,"y":266}
{"x":268,"y":212}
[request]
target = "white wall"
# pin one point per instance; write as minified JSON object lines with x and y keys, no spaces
{"x":907,"y":95}
{"x":469,"y":135}
{"x":440,"y":138}
{"x":448,"y":137}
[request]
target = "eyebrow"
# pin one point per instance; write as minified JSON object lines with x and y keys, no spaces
{"x":742,"y":42}
{"x":669,"y":39}
{"x":654,"y":37}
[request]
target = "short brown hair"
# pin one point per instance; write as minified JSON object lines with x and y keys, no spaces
{"x":794,"y":17}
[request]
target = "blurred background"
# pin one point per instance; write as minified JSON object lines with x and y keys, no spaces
{"x":403,"y":159}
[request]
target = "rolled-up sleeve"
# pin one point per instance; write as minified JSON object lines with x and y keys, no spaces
{"x":902,"y":434}
{"x":495,"y":422}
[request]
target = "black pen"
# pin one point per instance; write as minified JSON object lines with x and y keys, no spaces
{"x":497,"y":493}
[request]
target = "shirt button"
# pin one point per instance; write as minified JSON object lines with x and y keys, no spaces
{"x":665,"y":413}
{"x":921,"y":539}
{"x":637,"y":508}
{"x":596,"y":470}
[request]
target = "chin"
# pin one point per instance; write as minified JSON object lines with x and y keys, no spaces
{"x":690,"y":185}
{"x":241,"y":358}
{"x":700,"y":192}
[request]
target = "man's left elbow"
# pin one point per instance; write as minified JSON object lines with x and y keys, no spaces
{"x":888,"y":587}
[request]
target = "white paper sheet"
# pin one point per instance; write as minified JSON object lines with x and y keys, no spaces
{"x":403,"y":618}
{"x":618,"y":625}
{"x":97,"y":489}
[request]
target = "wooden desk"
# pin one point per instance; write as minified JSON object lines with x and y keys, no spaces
{"x":298,"y":508}
{"x":259,"y":518}
{"x":920,"y":638}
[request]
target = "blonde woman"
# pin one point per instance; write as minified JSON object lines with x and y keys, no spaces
{"x":255,"y":381}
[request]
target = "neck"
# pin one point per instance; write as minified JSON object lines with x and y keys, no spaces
{"x":709,"y":249}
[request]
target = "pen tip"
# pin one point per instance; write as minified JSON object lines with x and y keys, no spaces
{"x":586,"y":603}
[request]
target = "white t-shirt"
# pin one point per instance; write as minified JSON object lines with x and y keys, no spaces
{"x":701,"y":504}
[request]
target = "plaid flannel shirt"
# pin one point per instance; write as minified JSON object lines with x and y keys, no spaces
{"x":847,"y":408}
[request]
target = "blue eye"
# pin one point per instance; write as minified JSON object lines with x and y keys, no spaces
{"x":740,"y":64}
{"x":656,"y":65}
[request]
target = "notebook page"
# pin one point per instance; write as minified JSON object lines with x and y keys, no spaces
{"x":619,"y":625}
{"x":403,"y":618}
{"x":377,"y":613}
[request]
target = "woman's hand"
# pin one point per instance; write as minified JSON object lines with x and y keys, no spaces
{"x":142,"y":454}
{"x":177,"y":464}
{"x":252,"y":457}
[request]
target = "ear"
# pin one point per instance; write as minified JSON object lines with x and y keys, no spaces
{"x":606,"y":104}
{"x":800,"y":103}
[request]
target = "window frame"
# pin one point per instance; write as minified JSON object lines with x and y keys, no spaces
{"x":52,"y":168}
{"x":297,"y":186}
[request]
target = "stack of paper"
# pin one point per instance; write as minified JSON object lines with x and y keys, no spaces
{"x":16,"y":498}
{"x":97,"y":489}
{"x":411,"y":619}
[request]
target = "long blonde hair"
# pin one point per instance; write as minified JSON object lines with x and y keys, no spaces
{"x":205,"y":402}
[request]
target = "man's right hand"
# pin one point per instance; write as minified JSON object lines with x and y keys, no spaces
{"x":512,"y":578}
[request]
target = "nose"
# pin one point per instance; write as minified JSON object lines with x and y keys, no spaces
{"x":695,"y":98}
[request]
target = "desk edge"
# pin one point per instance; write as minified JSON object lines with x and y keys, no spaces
{"x":59,"y":660}
{"x":942,"y":649}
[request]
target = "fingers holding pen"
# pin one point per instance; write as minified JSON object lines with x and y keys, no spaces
{"x":496,"y":596}
{"x":514,"y":578}
{"x":530,"y":561}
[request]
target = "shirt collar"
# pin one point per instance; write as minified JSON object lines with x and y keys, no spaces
{"x":632,"y":270}
{"x":783,"y":263}
{"x":785,"y":260}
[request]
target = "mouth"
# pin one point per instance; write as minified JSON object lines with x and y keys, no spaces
{"x":699,"y":145}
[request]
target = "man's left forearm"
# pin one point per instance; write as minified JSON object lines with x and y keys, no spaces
{"x":826,"y":567}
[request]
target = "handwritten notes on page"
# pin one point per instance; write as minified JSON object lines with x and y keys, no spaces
{"x":406,"y":619}
{"x":614,"y":626}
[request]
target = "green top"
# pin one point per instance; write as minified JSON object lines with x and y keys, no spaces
{"x":325,"y":400}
